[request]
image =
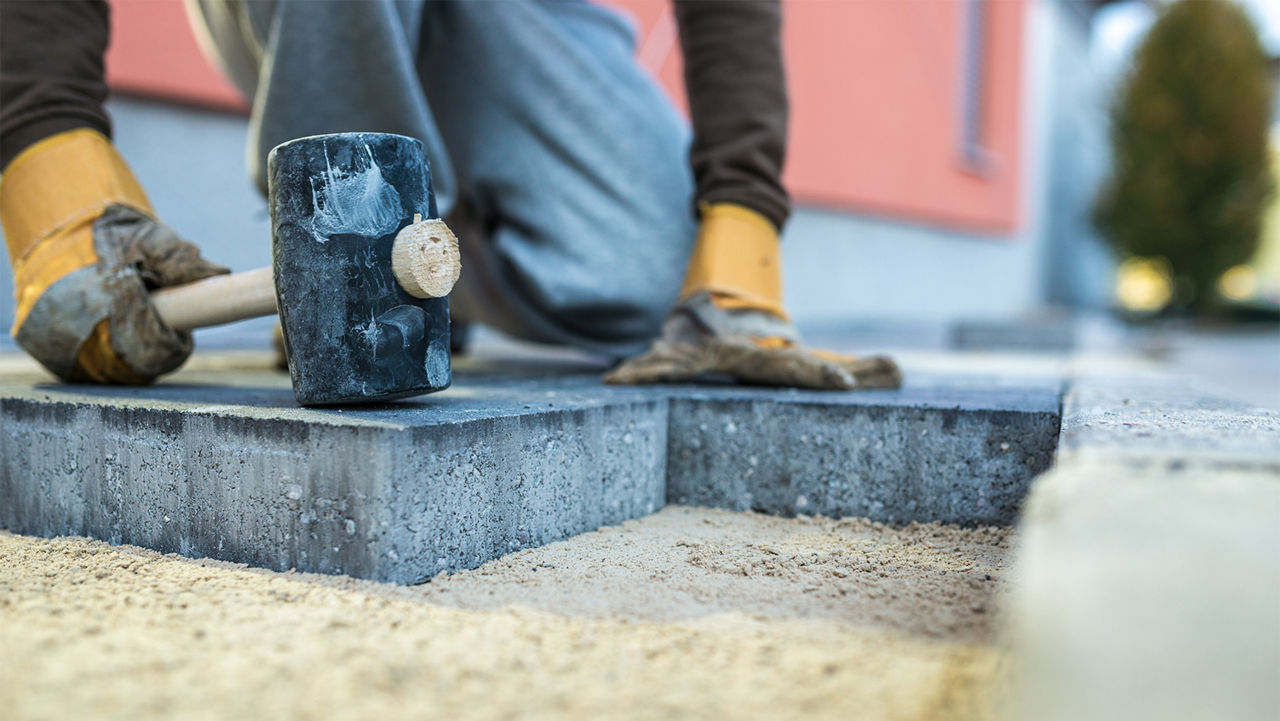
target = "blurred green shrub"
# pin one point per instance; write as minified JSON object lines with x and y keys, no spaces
{"x":1191,"y":175}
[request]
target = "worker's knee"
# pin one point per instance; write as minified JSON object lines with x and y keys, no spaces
{"x":611,"y":281}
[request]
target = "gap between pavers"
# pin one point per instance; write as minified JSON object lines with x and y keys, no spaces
{"x":403,"y":491}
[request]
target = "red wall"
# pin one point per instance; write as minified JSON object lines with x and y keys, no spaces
{"x":875,"y":88}
{"x":154,"y":52}
{"x":875,"y":95}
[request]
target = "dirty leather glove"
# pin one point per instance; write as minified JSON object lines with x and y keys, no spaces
{"x":751,"y":346}
{"x":85,"y":249}
{"x":729,"y":319}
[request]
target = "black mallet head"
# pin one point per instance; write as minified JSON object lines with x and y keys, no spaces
{"x":356,"y":329}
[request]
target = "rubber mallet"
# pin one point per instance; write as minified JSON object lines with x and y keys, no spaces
{"x":361,"y":271}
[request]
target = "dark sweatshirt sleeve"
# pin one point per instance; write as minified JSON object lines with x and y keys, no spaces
{"x":738,"y":102}
{"x":51,"y":70}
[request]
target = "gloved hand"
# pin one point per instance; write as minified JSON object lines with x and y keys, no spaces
{"x":85,"y":250}
{"x":751,"y":346}
{"x":730,"y":320}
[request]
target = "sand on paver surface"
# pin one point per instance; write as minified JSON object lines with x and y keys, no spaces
{"x":689,"y":613}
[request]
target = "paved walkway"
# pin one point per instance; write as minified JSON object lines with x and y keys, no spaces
{"x":1145,"y":576}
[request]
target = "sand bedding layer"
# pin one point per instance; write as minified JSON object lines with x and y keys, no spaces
{"x":690,"y":613}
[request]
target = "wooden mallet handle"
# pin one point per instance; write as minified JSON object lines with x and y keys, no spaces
{"x":424,"y":259}
{"x":217,"y":300}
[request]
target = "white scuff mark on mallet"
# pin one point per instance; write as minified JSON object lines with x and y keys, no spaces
{"x":358,"y":202}
{"x":370,"y":334}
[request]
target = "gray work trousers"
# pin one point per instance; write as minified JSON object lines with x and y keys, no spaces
{"x":558,"y":160}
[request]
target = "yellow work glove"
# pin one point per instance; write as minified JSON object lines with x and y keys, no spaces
{"x":730,"y":321}
{"x":85,"y":249}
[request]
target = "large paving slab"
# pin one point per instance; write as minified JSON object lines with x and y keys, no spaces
{"x":1145,"y":595}
{"x":942,"y":449}
{"x":1147,"y":574}
{"x":393,"y":492}
{"x":219,"y":461}
{"x":1164,"y":419}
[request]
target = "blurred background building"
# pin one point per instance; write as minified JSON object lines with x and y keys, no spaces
{"x":944,"y":153}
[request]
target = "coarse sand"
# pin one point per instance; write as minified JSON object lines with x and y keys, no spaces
{"x":689,"y":613}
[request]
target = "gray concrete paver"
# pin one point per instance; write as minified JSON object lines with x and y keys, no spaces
{"x":1144,"y":595}
{"x":1146,"y":575}
{"x":219,"y":460}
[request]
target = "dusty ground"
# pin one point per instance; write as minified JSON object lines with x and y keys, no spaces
{"x":689,"y":613}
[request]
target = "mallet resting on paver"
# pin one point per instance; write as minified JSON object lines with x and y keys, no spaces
{"x":360,"y":278}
